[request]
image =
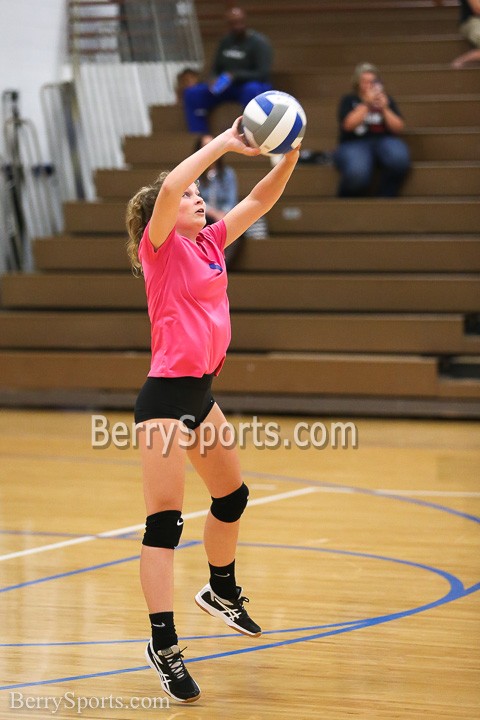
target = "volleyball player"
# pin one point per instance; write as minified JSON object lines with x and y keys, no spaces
{"x":183,"y":265}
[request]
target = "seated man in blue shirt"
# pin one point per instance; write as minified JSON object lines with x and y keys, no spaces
{"x":241,"y":70}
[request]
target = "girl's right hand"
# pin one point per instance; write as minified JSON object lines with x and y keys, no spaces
{"x":236,"y":141}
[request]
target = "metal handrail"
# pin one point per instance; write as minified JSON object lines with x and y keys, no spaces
{"x":128,"y":62}
{"x":11,"y":243}
{"x":64,"y":134}
{"x":135,"y":31}
{"x":114,"y":84}
{"x":30,"y":198}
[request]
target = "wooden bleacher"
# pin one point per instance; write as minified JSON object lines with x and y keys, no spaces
{"x":366,"y":305}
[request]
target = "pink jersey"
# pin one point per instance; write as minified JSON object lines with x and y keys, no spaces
{"x":186,"y":285}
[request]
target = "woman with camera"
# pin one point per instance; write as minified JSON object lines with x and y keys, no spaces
{"x":370,"y":123}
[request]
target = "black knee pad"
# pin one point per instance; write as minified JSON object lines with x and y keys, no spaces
{"x":230,"y":507}
{"x":163,"y":529}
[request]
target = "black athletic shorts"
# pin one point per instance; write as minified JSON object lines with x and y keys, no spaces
{"x":174,"y":398}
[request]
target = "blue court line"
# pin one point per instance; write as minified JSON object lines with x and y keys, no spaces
{"x":427,"y":504}
{"x":40,"y":532}
{"x":84,"y":569}
{"x":183,"y":638}
{"x":365,"y":491}
{"x":472,"y":589}
{"x":449,"y":597}
{"x":456,"y":591}
{"x":287,"y":478}
{"x":67,"y":573}
{"x":313,"y":483}
{"x":455,"y":583}
{"x":75,"y":677}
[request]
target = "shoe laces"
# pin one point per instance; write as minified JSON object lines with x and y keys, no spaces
{"x":242,"y":599}
{"x":175,"y":663}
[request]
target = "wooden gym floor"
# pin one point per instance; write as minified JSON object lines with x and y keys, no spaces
{"x":362,"y":566}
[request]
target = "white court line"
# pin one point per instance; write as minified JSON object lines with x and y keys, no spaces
{"x":132,"y":528}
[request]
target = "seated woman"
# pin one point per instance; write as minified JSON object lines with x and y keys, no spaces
{"x":370,"y":122}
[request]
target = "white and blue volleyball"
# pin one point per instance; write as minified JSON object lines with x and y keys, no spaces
{"x":274,"y":122}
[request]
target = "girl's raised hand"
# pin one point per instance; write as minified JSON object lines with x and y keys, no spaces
{"x":237,"y":142}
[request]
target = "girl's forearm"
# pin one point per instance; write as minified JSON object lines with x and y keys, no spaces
{"x":190,"y":169}
{"x":271,"y":187}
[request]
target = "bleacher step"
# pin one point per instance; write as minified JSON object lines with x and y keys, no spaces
{"x":251,"y":332}
{"x":425,"y":179}
{"x":374,"y":292}
{"x":424,"y":215}
{"x":455,"y":110}
{"x":427,"y":144}
{"x":309,"y":253}
{"x":407,"y":80}
{"x":287,"y":373}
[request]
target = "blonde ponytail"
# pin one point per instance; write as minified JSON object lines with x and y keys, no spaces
{"x":139,"y":212}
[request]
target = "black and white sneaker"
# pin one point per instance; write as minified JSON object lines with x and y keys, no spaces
{"x":174,"y":676}
{"x":231,"y":612}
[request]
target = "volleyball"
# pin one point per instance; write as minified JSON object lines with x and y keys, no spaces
{"x":274,"y":122}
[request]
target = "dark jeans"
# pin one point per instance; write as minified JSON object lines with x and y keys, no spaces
{"x":198,"y":101}
{"x":357,"y":160}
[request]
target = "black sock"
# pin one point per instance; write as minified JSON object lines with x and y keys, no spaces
{"x":163,"y":630}
{"x":222,"y":581}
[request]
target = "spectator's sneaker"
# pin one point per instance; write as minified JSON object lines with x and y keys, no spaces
{"x":232,"y":612}
{"x":174,"y":677}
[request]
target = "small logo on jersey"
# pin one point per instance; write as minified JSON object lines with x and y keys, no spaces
{"x":215,"y":266}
